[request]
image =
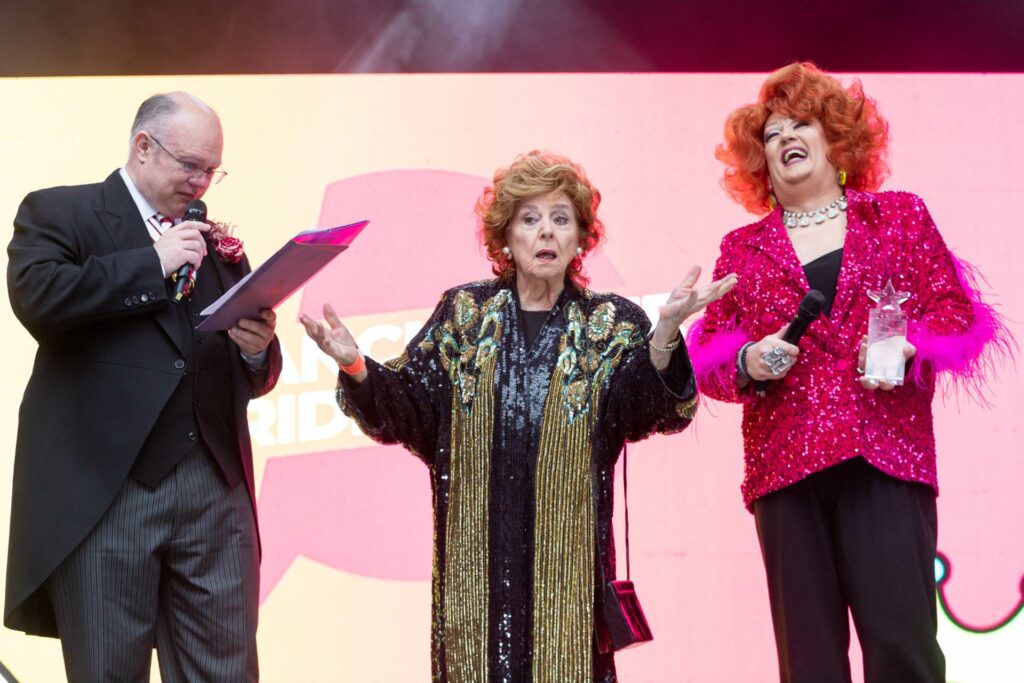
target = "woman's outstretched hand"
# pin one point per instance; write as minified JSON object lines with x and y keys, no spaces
{"x":687,"y":299}
{"x":336,"y":341}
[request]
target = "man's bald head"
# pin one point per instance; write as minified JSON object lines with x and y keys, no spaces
{"x":157,"y":110}
{"x":154,"y":114}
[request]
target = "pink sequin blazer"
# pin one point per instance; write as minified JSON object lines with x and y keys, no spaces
{"x":819,"y":415}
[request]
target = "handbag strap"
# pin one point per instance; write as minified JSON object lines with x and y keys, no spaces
{"x":625,"y":504}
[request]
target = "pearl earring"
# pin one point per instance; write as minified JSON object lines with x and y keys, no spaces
{"x":506,"y":251}
{"x":579,"y":250}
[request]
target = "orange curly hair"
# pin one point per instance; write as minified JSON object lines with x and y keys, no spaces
{"x":532,"y":174}
{"x":856,"y":133}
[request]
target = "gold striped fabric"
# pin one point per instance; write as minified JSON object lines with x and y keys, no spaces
{"x":563,"y":590}
{"x":466,"y":546}
{"x":466,"y":530}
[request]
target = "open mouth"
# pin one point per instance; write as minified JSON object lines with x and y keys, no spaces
{"x":793,"y":155}
{"x":546,"y":255}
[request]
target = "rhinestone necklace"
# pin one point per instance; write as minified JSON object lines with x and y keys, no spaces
{"x":792,"y":219}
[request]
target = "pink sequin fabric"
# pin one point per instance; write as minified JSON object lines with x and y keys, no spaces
{"x":819,"y":415}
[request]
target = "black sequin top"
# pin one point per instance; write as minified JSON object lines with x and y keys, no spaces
{"x":510,"y":432}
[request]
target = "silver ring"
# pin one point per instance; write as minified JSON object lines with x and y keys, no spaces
{"x":776,"y":359}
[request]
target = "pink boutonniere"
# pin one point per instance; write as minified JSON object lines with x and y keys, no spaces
{"x":228,"y":247}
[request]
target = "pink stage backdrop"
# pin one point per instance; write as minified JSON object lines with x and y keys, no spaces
{"x":346,"y":524}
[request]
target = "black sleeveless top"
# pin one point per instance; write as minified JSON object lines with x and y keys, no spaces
{"x":533,"y":321}
{"x":823,"y":275}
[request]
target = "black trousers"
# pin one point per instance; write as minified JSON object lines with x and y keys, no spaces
{"x":175,"y":568}
{"x":852,"y":538}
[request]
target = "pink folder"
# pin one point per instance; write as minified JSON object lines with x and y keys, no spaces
{"x":294,"y":264}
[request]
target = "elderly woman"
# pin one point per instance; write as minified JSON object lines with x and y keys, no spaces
{"x":840,"y":469}
{"x":518,"y":394}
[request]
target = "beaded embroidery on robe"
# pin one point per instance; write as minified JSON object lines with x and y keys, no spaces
{"x":508,"y":434}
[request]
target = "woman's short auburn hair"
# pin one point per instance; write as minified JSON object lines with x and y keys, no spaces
{"x":856,"y":133}
{"x":530,"y":175}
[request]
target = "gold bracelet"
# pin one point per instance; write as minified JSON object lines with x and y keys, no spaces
{"x":671,"y":346}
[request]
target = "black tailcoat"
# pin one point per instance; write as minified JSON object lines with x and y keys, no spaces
{"x":85,"y":281}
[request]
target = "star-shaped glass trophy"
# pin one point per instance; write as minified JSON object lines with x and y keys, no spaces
{"x":887,"y":335}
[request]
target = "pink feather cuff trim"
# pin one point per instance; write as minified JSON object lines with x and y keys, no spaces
{"x":714,"y":356}
{"x":967,"y":359}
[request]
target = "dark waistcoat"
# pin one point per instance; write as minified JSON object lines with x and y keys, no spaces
{"x":199,"y":412}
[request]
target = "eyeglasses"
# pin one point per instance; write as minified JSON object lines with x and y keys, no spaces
{"x":193,"y":172}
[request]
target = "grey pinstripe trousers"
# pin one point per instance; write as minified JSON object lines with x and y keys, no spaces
{"x":175,"y":568}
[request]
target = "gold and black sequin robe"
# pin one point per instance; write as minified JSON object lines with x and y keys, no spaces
{"x":509,"y":434}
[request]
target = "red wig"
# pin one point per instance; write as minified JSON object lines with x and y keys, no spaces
{"x":856,"y":133}
{"x":530,"y":175}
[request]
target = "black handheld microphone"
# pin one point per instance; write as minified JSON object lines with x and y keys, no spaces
{"x":810,"y":308}
{"x":185,"y":278}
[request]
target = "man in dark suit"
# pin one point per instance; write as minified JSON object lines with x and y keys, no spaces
{"x":133,"y":514}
